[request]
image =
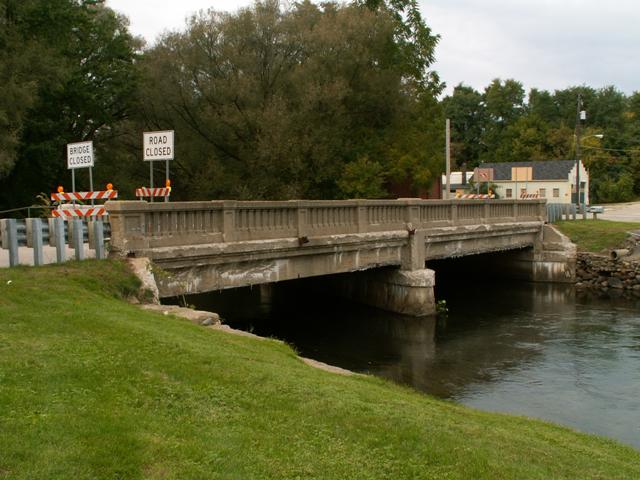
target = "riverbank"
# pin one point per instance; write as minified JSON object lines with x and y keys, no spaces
{"x":596,"y":268}
{"x":94,"y":387}
{"x":606,"y":275}
{"x":597,"y":236}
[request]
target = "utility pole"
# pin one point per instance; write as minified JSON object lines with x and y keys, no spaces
{"x":448,"y":158}
{"x":580,"y":115}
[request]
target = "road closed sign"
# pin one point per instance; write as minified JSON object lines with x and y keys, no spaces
{"x":79,"y":155}
{"x":157,"y":145}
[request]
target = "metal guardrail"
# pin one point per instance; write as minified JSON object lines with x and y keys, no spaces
{"x":570,"y":211}
{"x":34,"y":233}
{"x":556,"y":212}
{"x":21,"y":230}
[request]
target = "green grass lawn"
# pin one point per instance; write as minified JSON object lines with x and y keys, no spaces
{"x":92,"y":387}
{"x":596,"y":235}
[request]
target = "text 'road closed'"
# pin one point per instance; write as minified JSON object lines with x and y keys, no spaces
{"x":158,"y":145}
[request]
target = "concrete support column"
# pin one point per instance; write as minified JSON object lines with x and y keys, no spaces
{"x":413,"y":255}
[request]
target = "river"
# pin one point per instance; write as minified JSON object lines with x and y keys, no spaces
{"x":541,"y":351}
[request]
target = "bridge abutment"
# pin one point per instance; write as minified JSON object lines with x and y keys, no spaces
{"x":552,"y":259}
{"x":408,"y":292}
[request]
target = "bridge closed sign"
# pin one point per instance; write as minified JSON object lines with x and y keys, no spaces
{"x":79,"y":155}
{"x":157,"y":145}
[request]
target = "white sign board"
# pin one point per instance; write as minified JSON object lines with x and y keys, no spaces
{"x":157,"y":145}
{"x":79,"y":155}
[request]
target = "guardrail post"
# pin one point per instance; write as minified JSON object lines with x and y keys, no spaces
{"x":11,"y":231}
{"x":91,"y":234}
{"x":56,"y":238}
{"x":96,"y":235}
{"x":78,"y":243}
{"x":34,"y":238}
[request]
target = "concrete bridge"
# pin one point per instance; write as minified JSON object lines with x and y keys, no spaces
{"x":206,"y":246}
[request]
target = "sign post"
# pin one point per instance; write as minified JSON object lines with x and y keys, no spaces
{"x":80,"y":155}
{"x":158,"y":146}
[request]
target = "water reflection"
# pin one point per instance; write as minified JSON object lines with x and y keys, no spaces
{"x":535,"y":350}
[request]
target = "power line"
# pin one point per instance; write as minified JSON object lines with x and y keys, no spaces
{"x":628,"y":150}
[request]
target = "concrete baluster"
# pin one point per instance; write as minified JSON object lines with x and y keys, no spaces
{"x":454,"y":213}
{"x":229,"y":209}
{"x":361,"y":217}
{"x":302,"y":226}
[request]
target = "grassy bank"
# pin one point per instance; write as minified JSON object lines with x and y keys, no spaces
{"x":596,"y":235}
{"x":92,"y":387}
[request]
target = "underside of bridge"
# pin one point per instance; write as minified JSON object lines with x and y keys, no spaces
{"x":389,"y":270}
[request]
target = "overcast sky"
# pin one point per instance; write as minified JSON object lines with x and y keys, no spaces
{"x":547,"y":44}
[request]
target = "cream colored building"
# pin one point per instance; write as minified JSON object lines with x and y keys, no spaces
{"x":553,"y":180}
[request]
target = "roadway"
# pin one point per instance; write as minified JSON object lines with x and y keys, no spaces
{"x":621,"y":212}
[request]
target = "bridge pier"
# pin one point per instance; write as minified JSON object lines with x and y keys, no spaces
{"x":408,"y":290}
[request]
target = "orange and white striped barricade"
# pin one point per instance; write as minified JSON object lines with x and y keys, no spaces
{"x":475,"y":196}
{"x":153,"y":192}
{"x":70,"y":211}
{"x":529,"y":196}
{"x":82,"y":196}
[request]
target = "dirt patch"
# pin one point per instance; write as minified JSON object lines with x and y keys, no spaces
{"x":212,"y":320}
{"x":327,"y":367}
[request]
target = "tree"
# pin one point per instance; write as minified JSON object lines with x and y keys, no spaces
{"x":466,"y":110}
{"x":504,"y":104}
{"x":285,"y":103}
{"x":413,"y":38}
{"x":530,"y":138}
{"x":75,"y":59}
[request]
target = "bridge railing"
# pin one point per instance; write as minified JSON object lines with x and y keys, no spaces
{"x":140,"y":225}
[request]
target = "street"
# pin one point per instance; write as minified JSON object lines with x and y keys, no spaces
{"x":621,"y":212}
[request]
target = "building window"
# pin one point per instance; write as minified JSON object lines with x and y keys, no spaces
{"x":523,"y":192}
{"x":543,"y":193}
{"x":556,"y":193}
{"x":509,"y":193}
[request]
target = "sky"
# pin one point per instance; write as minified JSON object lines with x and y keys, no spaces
{"x":545,"y":44}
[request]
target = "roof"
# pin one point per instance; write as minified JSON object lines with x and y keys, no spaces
{"x":544,"y":170}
